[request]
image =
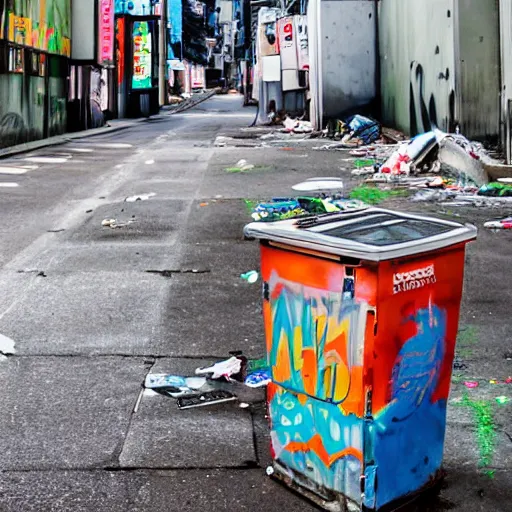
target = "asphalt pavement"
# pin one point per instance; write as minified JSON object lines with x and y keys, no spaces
{"x":93,"y":309}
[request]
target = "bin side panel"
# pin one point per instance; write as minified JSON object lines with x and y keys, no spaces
{"x":315,"y":351}
{"x":411,"y":361}
{"x":317,"y":440}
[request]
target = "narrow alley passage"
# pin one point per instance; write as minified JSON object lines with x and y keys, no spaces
{"x":93,"y":306}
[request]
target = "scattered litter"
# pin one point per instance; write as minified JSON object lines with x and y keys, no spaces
{"x":269,"y":471}
{"x":141,"y":197}
{"x":471,"y":384}
{"x":209,"y":398}
{"x":244,"y":405}
{"x":151,"y":392}
{"x":433,"y":195}
{"x":41,"y":274}
{"x":502,"y":400}
{"x":6,"y":345}
{"x":88,"y":211}
{"x":319,"y":184}
{"x":113,"y":223}
{"x":259,"y":364}
{"x":493,"y":381}
{"x":251,"y":277}
{"x":169,"y":273}
{"x":229,"y":369}
{"x":297,"y":125}
{"x":175,"y":385}
{"x":458,"y":364}
{"x":241,"y":166}
{"x":258,"y":379}
{"x":149,"y":162}
{"x":508,"y":380}
{"x":203,"y":204}
{"x":281,"y":208}
{"x":363,"y":171}
{"x":499,"y":224}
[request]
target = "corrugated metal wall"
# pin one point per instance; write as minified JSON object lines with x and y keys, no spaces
{"x":479,"y":61}
{"x":417,"y":60}
{"x":348,"y":54}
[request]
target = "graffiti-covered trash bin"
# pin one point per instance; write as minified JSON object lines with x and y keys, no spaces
{"x":361,"y":315}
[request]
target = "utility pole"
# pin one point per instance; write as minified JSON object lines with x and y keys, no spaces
{"x":162,"y":54}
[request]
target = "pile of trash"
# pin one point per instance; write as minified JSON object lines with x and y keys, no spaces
{"x":282,"y":208}
{"x":297,"y":125}
{"x":213,"y":384}
{"x":356,"y":130}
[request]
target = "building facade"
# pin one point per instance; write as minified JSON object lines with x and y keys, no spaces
{"x":35,"y":51}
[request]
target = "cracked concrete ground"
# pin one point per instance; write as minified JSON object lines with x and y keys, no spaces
{"x":76,"y":434}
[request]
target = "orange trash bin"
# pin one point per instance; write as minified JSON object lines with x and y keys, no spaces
{"x":361,"y":314}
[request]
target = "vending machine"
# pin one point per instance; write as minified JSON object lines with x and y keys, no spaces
{"x":137,"y":55}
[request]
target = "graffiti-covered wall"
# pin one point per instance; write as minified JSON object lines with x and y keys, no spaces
{"x":33,"y":69}
{"x":41,"y":24}
{"x":417,"y":57}
{"x":439,"y":63}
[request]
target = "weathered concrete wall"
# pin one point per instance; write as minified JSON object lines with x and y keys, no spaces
{"x":440,"y":65}
{"x":21,"y":109}
{"x":506,"y":74}
{"x":348,"y":46}
{"x":479,"y":61}
{"x":417,"y":61}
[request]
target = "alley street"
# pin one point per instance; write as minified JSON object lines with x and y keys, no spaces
{"x":94,"y":308}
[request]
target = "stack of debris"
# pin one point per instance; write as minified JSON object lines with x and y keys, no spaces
{"x":221,"y":382}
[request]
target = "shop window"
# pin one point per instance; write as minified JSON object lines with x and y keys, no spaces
{"x":16,"y":57}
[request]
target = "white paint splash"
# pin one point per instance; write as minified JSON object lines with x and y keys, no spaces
{"x":6,"y":345}
{"x":46,"y":160}
{"x":113,"y":145}
{"x":13,"y":170}
{"x":141,"y":197}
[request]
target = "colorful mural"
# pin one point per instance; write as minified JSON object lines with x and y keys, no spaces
{"x":142,"y":78}
{"x":41,"y":24}
{"x":361,"y":372}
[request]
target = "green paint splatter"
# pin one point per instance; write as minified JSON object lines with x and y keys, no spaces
{"x":243,"y":171}
{"x":467,"y":338}
{"x":485,"y":429}
{"x":250,"y":205}
{"x":360,"y":163}
{"x":374,"y":195}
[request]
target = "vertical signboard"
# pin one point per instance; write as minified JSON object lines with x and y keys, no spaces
{"x":288,"y":49}
{"x":301,"y":31}
{"x":120,"y":37}
{"x":106,"y":32}
{"x":142,"y":42}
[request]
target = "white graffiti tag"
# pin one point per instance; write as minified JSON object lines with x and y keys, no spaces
{"x":406,"y":281}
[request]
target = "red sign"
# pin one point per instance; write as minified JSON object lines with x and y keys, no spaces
{"x":106,"y":32}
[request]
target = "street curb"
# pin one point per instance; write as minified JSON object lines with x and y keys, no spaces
{"x":85,"y":134}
